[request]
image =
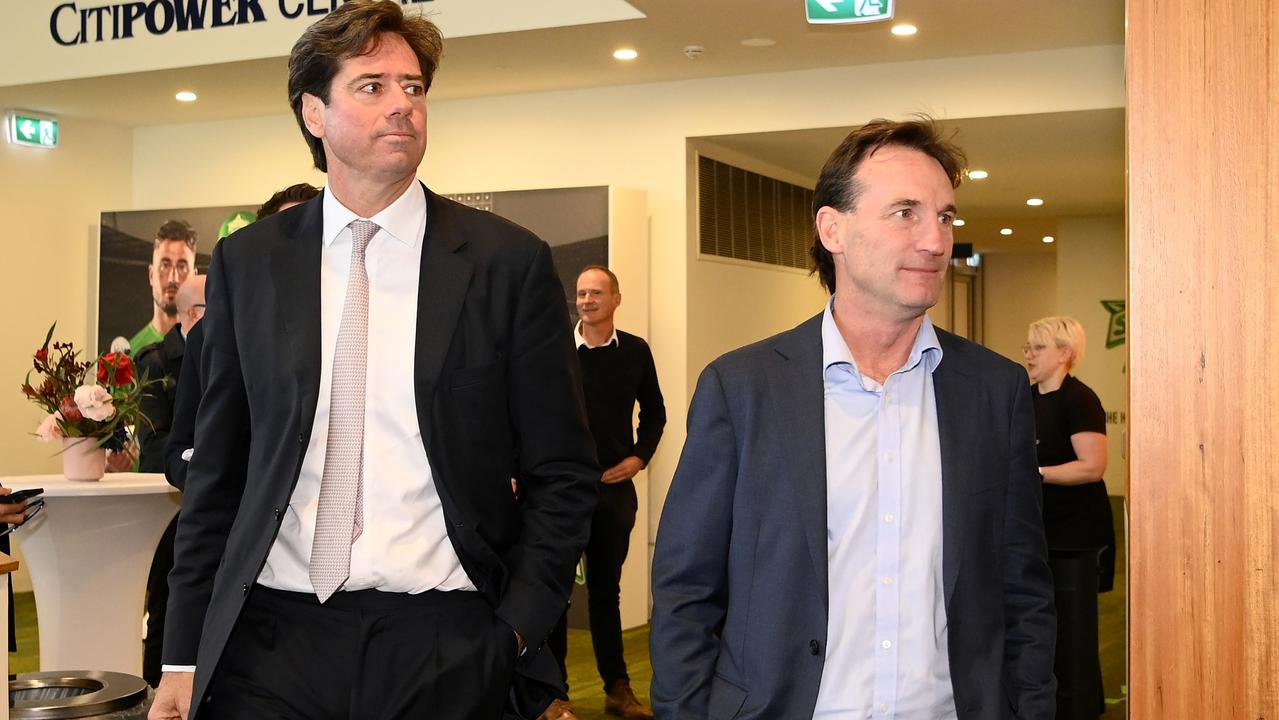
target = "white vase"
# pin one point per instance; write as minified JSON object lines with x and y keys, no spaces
{"x":82,"y":459}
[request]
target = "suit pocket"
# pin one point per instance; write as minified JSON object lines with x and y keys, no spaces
{"x":467,"y":377}
{"x":726,"y":699}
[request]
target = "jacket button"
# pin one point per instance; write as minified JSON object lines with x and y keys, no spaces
{"x":245,"y":590}
{"x":276,"y":512}
{"x":814,"y":647}
{"x":300,"y":438}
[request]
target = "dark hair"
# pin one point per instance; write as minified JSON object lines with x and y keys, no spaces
{"x":612,"y":278}
{"x":299,"y":193}
{"x":838,"y":187}
{"x":354,"y":28}
{"x":175,"y":231}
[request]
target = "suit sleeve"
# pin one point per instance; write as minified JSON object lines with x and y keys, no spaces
{"x":154,"y":404}
{"x":652,"y":414}
{"x":1030,"y":620}
{"x":690,"y":564}
{"x":558,"y":469}
{"x":185,"y":404}
{"x":215,"y":477}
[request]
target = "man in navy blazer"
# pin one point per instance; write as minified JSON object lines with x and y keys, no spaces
{"x":854,"y":527}
{"x":379,"y":363}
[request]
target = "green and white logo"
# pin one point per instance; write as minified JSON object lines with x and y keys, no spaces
{"x":32,"y":131}
{"x":848,"y":11}
{"x":235,"y":221}
{"x":1117,"y":333}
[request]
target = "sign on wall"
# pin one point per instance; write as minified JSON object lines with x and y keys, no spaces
{"x":826,"y":12}
{"x":22,"y":128}
{"x":69,"y":39}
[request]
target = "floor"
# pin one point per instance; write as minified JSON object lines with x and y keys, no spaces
{"x":588,"y":695}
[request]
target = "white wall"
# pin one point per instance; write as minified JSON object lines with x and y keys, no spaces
{"x":636,"y":137}
{"x":51,"y":203}
{"x":1091,"y":267}
{"x":1020,"y":288}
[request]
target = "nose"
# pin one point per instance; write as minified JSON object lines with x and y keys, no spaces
{"x":400,"y":103}
{"x":936,"y":238}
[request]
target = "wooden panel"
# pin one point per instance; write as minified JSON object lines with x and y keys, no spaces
{"x":1203,"y":204}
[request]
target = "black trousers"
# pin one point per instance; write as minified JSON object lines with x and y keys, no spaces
{"x":364,"y":655}
{"x":605,"y":554}
{"x":157,"y":604}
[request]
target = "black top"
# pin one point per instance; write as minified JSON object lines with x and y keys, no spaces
{"x":160,"y":360}
{"x":614,"y":378}
{"x":1075,"y":516}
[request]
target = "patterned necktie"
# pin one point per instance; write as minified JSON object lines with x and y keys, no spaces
{"x":339,"y":518}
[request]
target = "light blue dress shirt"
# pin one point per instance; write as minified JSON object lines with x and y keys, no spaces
{"x":886,"y":643}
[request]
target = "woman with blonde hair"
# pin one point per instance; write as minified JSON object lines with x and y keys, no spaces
{"x":1070,"y":434}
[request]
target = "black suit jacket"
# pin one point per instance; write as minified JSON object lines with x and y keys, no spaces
{"x":163,"y":360}
{"x":190,"y":385}
{"x":497,"y":394}
{"x":740,"y":593}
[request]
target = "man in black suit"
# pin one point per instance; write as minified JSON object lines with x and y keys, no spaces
{"x":854,"y":527}
{"x":380,"y":363}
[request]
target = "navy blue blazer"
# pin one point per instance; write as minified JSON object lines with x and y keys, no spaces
{"x":740,"y":595}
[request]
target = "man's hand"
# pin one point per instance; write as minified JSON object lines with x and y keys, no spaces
{"x":15,"y":513}
{"x":624,"y":470}
{"x":173,"y":697}
{"x":122,"y":460}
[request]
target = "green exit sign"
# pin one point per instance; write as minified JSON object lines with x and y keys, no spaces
{"x":31,"y":130}
{"x":848,"y":11}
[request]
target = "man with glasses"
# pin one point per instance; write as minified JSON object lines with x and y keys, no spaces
{"x":172,"y":260}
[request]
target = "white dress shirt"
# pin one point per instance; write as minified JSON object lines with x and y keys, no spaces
{"x":886,"y":641}
{"x":581,"y":339}
{"x":404,"y":546}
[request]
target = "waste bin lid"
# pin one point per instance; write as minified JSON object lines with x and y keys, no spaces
{"x":58,"y":695}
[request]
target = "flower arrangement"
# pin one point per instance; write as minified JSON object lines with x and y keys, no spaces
{"x":78,"y":408}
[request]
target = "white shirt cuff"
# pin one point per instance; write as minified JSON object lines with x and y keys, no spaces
{"x":177,"y":668}
{"x":186,"y":454}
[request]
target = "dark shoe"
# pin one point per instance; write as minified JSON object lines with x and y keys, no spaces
{"x":621,"y":702}
{"x":559,"y":710}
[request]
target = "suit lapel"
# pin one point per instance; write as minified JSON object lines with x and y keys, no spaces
{"x":955,"y":390}
{"x":442,"y":284}
{"x":801,"y":419}
{"x":295,"y":272}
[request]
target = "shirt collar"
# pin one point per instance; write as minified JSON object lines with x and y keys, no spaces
{"x":581,"y":341}
{"x":835,"y":350}
{"x":401,"y":219}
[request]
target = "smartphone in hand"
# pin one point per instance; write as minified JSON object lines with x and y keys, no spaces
{"x":18,"y":496}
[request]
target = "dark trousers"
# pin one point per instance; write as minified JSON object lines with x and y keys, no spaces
{"x":157,"y":603}
{"x":364,"y":655}
{"x":605,"y":553}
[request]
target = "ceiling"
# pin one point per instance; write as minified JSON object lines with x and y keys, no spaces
{"x":1073,"y":161}
{"x":581,"y":56}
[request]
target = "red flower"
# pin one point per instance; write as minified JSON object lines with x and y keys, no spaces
{"x":42,"y":356}
{"x":70,"y":411}
{"x":115,"y":369}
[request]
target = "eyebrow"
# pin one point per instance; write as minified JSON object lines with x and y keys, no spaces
{"x":381,"y":76}
{"x":913,"y":203}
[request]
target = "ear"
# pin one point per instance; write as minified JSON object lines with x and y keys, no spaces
{"x":830,"y":224}
{"x":313,"y":114}
{"x":618,"y":300}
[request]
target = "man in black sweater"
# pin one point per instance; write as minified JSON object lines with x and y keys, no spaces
{"x":617,"y":372}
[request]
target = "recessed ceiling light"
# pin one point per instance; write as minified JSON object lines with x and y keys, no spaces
{"x":978,"y":174}
{"x":625,"y":54}
{"x":759,"y":42}
{"x":185,"y":96}
{"x":1005,"y":231}
{"x":1048,"y":239}
{"x":1034,"y":202}
{"x":959,"y":222}
{"x":905,"y":29}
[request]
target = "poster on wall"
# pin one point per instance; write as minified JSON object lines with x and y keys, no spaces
{"x":130,"y":295}
{"x":138,"y":275}
{"x":573,"y":221}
